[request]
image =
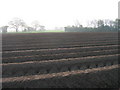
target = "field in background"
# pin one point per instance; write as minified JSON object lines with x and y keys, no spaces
{"x":83,"y":60}
{"x":46,"y":31}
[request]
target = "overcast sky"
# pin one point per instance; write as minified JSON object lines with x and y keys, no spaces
{"x":57,"y":13}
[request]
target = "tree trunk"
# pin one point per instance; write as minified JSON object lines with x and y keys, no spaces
{"x":16,"y":29}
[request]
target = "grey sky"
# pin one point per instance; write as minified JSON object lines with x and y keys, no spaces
{"x":52,"y":13}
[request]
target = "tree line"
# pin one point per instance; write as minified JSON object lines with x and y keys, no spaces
{"x":18,"y":23}
{"x":93,"y":26}
{"x":96,"y":26}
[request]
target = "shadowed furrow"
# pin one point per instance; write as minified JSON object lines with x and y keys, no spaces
{"x":44,"y":66}
{"x":61,"y":74}
{"x":42,"y":57}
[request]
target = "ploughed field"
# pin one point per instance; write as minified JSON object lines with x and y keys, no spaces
{"x":48,"y":59}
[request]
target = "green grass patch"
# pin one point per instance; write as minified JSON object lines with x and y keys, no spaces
{"x":46,"y":31}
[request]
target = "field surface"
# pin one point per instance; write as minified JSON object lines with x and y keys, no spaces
{"x":47,"y":60}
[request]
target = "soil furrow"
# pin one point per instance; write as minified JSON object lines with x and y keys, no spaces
{"x":61,"y":74}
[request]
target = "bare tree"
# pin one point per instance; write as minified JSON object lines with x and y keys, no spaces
{"x":77,"y":23}
{"x":89,"y":24}
{"x":42,"y":27}
{"x":106,"y":22}
{"x":16,"y":23}
{"x":4,"y":29}
{"x":94,"y":23}
{"x":100,"y":23}
{"x":111,"y":23}
{"x":30,"y":28}
{"x":36,"y":24}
